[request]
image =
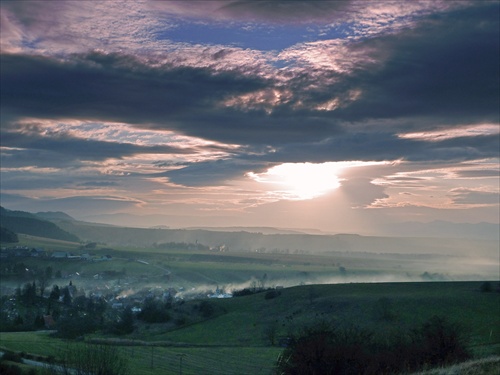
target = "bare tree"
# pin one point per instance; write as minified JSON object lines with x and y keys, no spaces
{"x":271,"y":333}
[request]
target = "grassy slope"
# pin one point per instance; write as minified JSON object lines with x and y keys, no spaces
{"x":233,"y":343}
{"x":410,"y":303}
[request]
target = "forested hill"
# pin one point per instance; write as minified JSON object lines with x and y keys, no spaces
{"x":8,"y":236}
{"x":54,"y":215}
{"x":27,"y":223}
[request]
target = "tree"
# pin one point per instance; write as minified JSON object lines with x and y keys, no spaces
{"x":440,"y":342}
{"x":154,"y":311}
{"x":8,"y":236}
{"x":42,"y":282}
{"x":323,"y":349}
{"x":55,"y":293}
{"x":262,"y":281}
{"x":73,"y":326}
{"x":206,"y":309}
{"x":66,"y":296}
{"x":28,"y":294}
{"x":271,"y":333}
{"x":126,"y":323}
{"x":48,"y":272}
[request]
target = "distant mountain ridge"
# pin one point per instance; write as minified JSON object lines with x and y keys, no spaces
{"x":476,"y":240}
{"x":444,"y":229}
{"x":262,"y":230}
{"x":434,"y":229}
{"x":31,"y":224}
{"x":242,"y":241}
{"x":54,"y":215}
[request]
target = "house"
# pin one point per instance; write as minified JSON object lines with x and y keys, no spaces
{"x":38,"y":252}
{"x":49,"y":321}
{"x":21,"y":251}
{"x":59,"y":254}
{"x":117,"y":305}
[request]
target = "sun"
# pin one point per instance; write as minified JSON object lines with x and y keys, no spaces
{"x":302,"y":181}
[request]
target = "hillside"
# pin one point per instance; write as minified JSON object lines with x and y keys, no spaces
{"x":27,"y":223}
{"x":54,"y":215}
{"x":243,"y":335}
{"x":8,"y":236}
{"x":291,"y":242}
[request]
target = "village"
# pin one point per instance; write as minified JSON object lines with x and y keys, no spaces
{"x":30,"y":291}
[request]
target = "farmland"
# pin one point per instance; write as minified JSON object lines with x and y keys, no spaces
{"x":386,"y":293}
{"x":235,"y":342}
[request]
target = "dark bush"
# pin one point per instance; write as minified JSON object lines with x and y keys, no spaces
{"x":180,"y":321}
{"x":6,"y":369}
{"x":243,"y":292}
{"x":439,"y":342}
{"x":12,"y":357}
{"x":71,"y":327}
{"x":270,"y":294}
{"x":326,"y":350}
{"x":126,"y":323}
{"x":154,"y":311}
{"x":206,"y":309}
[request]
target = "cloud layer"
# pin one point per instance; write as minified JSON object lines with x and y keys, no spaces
{"x":108,"y":92}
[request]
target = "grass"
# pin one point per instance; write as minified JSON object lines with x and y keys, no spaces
{"x":246,"y":318}
{"x":484,"y":366}
{"x":234,"y":342}
{"x":152,"y":360}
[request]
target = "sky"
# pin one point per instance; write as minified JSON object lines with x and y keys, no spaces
{"x":341,"y":116}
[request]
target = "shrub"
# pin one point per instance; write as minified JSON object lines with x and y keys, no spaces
{"x":206,"y":309}
{"x":154,"y":311}
{"x":440,"y":342}
{"x":243,"y":292}
{"x":12,"y":357}
{"x":323,"y":349}
{"x":6,"y":369}
{"x":271,"y":294}
{"x":71,"y":327}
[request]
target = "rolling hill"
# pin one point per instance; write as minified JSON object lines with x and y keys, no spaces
{"x":27,"y":223}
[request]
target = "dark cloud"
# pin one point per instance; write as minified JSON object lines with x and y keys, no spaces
{"x":17,"y":181}
{"x":445,"y":69}
{"x":441,"y":73}
{"x":212,"y":173}
{"x":277,"y":11}
{"x":98,"y":184}
{"x":110,"y":87}
{"x":77,"y":148}
{"x":67,"y":177}
{"x":18,"y":158}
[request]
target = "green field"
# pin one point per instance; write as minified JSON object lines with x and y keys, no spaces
{"x":237,"y":339}
{"x":235,"y":342}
